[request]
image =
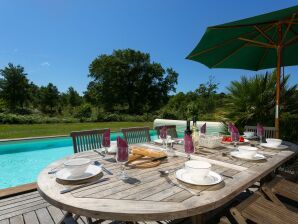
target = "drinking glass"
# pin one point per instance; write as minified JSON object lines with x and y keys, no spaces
{"x":188,"y":146}
{"x":164,"y":141}
{"x":106,"y":143}
{"x":122,"y":158}
{"x":260,"y":135}
{"x":235,"y":138}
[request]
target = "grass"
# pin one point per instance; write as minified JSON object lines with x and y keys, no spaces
{"x":35,"y":130}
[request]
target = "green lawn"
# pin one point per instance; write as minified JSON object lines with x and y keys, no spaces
{"x":35,"y":130}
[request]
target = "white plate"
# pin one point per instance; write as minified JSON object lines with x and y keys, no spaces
{"x":91,"y":171}
{"x":240,"y":155}
{"x":187,"y":177}
{"x":159,"y":141}
{"x":274,"y":147}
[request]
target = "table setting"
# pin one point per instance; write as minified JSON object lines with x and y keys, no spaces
{"x":149,"y":182}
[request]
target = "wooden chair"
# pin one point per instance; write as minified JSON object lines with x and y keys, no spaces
{"x":87,"y":140}
{"x":269,"y":131}
{"x":282,"y":187}
{"x":258,"y":209}
{"x":136,"y":135}
{"x":171,"y":130}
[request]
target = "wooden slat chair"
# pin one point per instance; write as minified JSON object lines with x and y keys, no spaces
{"x":258,"y":209}
{"x":87,"y":140}
{"x":282,"y":187}
{"x":269,"y":131}
{"x":171,"y":130}
{"x":136,"y":135}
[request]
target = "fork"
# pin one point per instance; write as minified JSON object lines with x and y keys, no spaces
{"x":165,"y":175}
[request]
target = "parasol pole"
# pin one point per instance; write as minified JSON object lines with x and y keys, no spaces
{"x":278,"y":70}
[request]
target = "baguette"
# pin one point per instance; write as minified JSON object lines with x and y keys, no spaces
{"x":147,"y":152}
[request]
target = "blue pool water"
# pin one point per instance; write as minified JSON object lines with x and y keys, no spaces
{"x":21,"y":161}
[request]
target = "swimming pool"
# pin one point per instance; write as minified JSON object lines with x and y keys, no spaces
{"x":21,"y":161}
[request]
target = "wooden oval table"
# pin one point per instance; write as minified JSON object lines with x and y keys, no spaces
{"x":148,"y":196}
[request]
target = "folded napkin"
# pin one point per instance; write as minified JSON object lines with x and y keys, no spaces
{"x":260,"y":130}
{"x":106,"y":142}
{"x":122,"y":152}
{"x":163,"y":132}
{"x":203,"y":128}
{"x":188,"y":144}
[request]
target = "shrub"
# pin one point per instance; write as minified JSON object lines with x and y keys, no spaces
{"x":82,"y":112}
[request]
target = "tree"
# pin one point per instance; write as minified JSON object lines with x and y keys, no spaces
{"x":252,"y":100}
{"x":73,"y":97}
{"x":49,"y":98}
{"x":128,"y":81}
{"x":14,"y":86}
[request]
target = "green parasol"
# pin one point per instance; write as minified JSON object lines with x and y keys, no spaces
{"x":265,"y":41}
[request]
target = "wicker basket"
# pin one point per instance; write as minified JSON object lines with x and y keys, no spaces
{"x":210,"y":141}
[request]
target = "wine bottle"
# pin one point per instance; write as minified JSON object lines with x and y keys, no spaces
{"x":188,"y":130}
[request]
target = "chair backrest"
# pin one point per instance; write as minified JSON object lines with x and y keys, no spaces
{"x":269,"y":131}
{"x":87,"y":140}
{"x":136,"y":135}
{"x":171,"y":130}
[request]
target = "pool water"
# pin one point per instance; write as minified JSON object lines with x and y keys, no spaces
{"x":21,"y":161}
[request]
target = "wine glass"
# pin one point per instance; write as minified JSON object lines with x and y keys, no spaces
{"x":260,"y":135}
{"x":122,"y":158}
{"x":235,"y":138}
{"x":106,"y":143}
{"x":188,"y":146}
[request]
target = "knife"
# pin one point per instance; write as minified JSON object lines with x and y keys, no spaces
{"x":149,"y":160}
{"x":84,"y":185}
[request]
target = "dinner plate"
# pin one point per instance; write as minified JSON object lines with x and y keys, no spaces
{"x":159,"y":141}
{"x":244,"y":156}
{"x":211,"y":179}
{"x":266,"y":145}
{"x":66,"y":175}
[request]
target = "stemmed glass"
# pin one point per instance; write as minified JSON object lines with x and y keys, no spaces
{"x":106,"y":143}
{"x":260,"y":135}
{"x":235,"y":138}
{"x":188,"y":146}
{"x":122,"y":158}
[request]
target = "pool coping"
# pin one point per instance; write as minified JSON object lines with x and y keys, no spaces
{"x":32,"y":138}
{"x":21,"y":189}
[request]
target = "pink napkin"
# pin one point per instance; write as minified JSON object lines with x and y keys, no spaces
{"x":106,"y":142}
{"x":260,"y":130}
{"x":188,"y":144}
{"x":122,"y":153}
{"x":163,"y":132}
{"x":203,"y":128}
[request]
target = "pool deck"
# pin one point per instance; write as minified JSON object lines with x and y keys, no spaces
{"x":31,"y":208}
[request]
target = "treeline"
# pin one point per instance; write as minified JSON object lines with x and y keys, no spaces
{"x":125,"y":86}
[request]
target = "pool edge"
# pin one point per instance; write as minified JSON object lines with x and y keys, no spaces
{"x":21,"y":189}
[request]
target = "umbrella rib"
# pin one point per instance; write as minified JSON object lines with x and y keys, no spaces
{"x":264,"y":34}
{"x":223,"y":44}
{"x":235,"y":51}
{"x":266,"y":51}
{"x":291,"y":41}
{"x":289,"y":26}
{"x":257,"y":43}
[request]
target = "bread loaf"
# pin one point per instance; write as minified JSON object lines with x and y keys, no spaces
{"x":147,"y":152}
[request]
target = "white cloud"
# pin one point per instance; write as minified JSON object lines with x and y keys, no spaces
{"x":45,"y":64}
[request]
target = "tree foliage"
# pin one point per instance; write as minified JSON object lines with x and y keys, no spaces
{"x":127,"y":81}
{"x":252,"y":100}
{"x":49,"y":98}
{"x":14,"y":86}
{"x":200,"y":103}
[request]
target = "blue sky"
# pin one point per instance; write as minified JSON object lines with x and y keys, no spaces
{"x":56,"y":40}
